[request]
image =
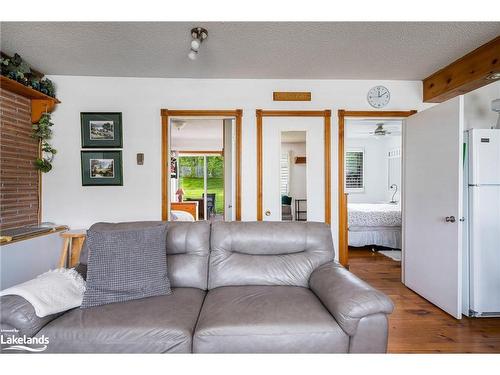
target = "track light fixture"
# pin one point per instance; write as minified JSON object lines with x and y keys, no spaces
{"x":493,"y":76}
{"x":198,"y":34}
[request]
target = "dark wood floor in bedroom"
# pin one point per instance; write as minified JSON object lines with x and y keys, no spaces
{"x":417,"y":326}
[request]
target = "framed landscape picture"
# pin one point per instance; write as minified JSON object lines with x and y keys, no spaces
{"x":102,"y":168}
{"x":101,"y":129}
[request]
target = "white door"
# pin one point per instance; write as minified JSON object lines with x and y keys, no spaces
{"x":272,"y":128}
{"x":432,"y":209}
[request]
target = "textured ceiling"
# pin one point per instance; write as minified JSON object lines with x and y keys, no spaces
{"x":325,"y":50}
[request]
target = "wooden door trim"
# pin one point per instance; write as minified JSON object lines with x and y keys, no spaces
{"x":343,"y":223}
{"x":326,"y":114}
{"x":165,"y":159}
{"x":200,"y":152}
{"x":280,"y":113}
{"x":378,"y":114}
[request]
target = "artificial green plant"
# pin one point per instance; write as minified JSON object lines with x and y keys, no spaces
{"x":43,"y":132}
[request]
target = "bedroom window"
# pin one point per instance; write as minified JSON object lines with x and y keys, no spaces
{"x":284,"y":173}
{"x":354,"y":170}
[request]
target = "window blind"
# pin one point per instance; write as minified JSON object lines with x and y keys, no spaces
{"x":19,"y":194}
{"x":354,"y":161}
{"x":284,"y":173}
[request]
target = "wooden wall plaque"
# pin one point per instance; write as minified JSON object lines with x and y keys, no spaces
{"x":292,"y":96}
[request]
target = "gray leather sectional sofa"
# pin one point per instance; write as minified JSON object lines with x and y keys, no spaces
{"x":238,"y":287}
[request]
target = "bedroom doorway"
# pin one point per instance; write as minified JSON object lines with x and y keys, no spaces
{"x":370,"y":175}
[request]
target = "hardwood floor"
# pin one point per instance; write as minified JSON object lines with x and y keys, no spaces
{"x":417,"y":326}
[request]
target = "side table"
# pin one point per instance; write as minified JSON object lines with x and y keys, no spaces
{"x":72,"y":246}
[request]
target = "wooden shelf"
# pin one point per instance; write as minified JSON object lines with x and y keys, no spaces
{"x":4,"y":240}
{"x":40,"y":102}
{"x":18,"y":88}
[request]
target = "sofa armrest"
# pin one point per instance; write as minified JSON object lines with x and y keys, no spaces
{"x":19,"y":314}
{"x":347,"y":297}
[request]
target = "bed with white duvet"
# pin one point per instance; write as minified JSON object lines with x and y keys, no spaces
{"x":376,"y":224}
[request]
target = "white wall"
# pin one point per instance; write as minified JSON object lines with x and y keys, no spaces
{"x":477,"y":107}
{"x":66,"y":201}
{"x":394,"y":143}
{"x":24,"y":260}
{"x":298,"y":172}
{"x":375,"y":167}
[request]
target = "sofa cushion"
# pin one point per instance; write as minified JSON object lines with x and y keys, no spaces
{"x":266,"y":319}
{"x":125,"y":265}
{"x":267,"y":253}
{"x":104,"y":227}
{"x":188,"y":246}
{"x":149,"y":325}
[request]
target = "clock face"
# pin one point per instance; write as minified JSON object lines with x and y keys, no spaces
{"x":378,"y":96}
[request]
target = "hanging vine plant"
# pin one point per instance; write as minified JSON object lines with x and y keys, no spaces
{"x":43,"y":132}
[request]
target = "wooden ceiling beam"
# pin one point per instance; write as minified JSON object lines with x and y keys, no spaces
{"x":468,"y":73}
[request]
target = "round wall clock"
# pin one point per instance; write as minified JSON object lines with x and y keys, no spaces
{"x":378,"y":96}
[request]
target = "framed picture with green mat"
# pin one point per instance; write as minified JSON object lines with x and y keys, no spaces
{"x":102,"y":168}
{"x":101,"y":129}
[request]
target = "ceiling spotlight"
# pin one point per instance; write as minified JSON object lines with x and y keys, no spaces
{"x":198,"y":34}
{"x":193,"y":55}
{"x":493,"y":76}
{"x":195,"y":44}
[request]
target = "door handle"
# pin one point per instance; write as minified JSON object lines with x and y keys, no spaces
{"x":450,"y":219}
{"x":267,"y":213}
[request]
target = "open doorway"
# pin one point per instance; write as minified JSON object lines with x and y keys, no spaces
{"x":370,"y":183}
{"x":197,"y":162}
{"x":373,"y":185}
{"x":201,"y":165}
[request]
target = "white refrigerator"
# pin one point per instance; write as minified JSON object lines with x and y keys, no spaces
{"x":482,"y":263}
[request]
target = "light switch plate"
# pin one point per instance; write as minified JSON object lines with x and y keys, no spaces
{"x":140,"y":158}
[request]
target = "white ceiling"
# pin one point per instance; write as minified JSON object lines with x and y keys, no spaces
{"x":293,"y":136}
{"x":197,"y":134}
{"x":300,"y":50}
{"x":363,"y":128}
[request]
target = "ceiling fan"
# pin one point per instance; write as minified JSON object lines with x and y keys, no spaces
{"x":380,"y":131}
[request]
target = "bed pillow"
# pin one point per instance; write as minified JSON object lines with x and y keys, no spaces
{"x":176,"y":215}
{"x":126,"y":264}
